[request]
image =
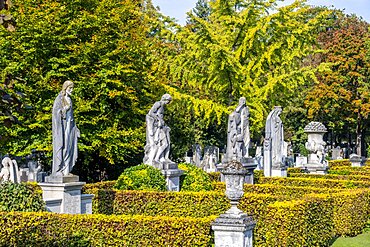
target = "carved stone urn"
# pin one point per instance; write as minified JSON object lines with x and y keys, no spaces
{"x":234,"y":173}
{"x":234,"y":228}
{"x":315,"y":144}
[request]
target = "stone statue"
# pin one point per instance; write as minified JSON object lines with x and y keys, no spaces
{"x":10,"y":171}
{"x":274,"y":142}
{"x":65,"y":132}
{"x":238,"y":136}
{"x":157,"y":148}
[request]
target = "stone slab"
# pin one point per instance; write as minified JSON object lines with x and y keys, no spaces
{"x":58,"y":179}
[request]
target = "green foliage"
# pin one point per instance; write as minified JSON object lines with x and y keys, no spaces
{"x":19,"y":197}
{"x":141,"y":177}
{"x":47,"y":229}
{"x":103,"y":46}
{"x":241,"y":50}
{"x":194,"y":179}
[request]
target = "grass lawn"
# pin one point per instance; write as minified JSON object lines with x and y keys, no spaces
{"x":358,"y":241}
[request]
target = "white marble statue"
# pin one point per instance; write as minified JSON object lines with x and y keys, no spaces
{"x":273,"y":149}
{"x":238,"y":136}
{"x":65,"y":132}
{"x":9,"y":171}
{"x":157,"y":148}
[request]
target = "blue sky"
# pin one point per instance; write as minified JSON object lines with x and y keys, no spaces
{"x":178,"y":8}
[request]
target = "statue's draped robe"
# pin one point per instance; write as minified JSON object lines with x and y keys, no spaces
{"x":65,"y":134}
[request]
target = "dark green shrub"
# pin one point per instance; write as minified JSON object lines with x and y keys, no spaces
{"x":194,"y":179}
{"x":19,"y":197}
{"x":141,"y":177}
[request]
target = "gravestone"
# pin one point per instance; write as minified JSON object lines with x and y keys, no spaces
{"x":197,"y":155}
{"x":336,"y":153}
{"x":356,"y":160}
{"x":273,"y":149}
{"x":300,"y":161}
{"x":210,"y":159}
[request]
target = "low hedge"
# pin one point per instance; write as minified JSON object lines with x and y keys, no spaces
{"x":105,"y":185}
{"x":343,"y":162}
{"x":333,"y":177}
{"x":174,"y":204}
{"x":47,"y":229}
{"x":351,"y":211}
{"x":315,"y":182}
{"x":296,"y":223}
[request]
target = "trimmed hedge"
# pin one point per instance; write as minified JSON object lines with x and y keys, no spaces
{"x":105,"y":185}
{"x":351,"y":211}
{"x":47,"y":229}
{"x":20,"y":197}
{"x":343,"y":162}
{"x":296,"y":223}
{"x":333,"y":177}
{"x":174,"y":204}
{"x":311,"y":182}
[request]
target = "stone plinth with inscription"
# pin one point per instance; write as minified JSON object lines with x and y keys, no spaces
{"x":62,"y":194}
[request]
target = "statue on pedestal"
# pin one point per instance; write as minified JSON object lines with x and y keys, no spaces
{"x":65,"y":132}
{"x":157,"y":148}
{"x":238,"y":136}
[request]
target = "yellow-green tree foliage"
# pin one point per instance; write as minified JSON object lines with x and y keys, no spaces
{"x":101,"y":45}
{"x":246,"y":48}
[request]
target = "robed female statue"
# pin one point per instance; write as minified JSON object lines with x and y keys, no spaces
{"x":65,"y":132}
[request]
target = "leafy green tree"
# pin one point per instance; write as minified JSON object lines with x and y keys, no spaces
{"x":101,"y":45}
{"x":247,"y":48}
{"x":341,"y":98}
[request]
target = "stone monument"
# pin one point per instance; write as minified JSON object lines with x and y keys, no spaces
{"x":210,"y":159}
{"x":273,"y":149}
{"x":356,"y":160}
{"x":197,"y":155}
{"x":157,"y":148}
{"x":9,"y":171}
{"x":62,"y":189}
{"x":238,"y":140}
{"x":238,"y":136}
{"x":315,"y":145}
{"x":234,"y":228}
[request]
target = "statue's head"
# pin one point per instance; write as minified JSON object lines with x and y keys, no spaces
{"x":242,"y":101}
{"x":166,"y":98}
{"x":6,"y":162}
{"x":67,"y":87}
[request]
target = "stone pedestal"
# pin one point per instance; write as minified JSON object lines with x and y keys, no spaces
{"x":356,"y":160}
{"x":173,"y":179}
{"x":279,"y":172}
{"x":250,"y":165}
{"x":317,"y":169}
{"x":62,"y":194}
{"x":233,"y":231}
